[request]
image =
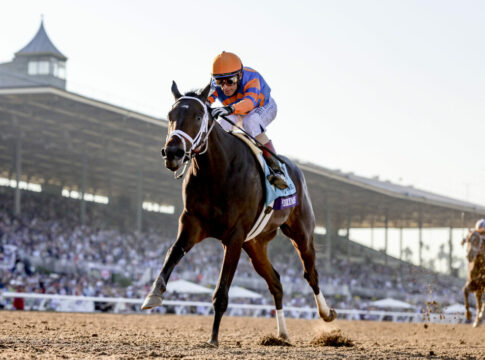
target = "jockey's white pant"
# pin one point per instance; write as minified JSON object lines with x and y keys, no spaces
{"x":254,"y":122}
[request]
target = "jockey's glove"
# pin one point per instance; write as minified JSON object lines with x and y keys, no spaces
{"x":222,"y":111}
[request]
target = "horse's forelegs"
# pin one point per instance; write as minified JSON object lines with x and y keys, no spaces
{"x":478,"y":318}
{"x":257,"y":252}
{"x":220,"y":300}
{"x":468,"y":313}
{"x":189,"y":235}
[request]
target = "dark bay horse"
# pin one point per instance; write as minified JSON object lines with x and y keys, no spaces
{"x":223,"y":195}
{"x":476,"y":273}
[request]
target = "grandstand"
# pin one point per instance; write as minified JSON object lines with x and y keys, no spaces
{"x":107,"y":210}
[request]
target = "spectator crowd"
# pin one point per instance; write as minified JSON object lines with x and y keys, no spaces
{"x":46,"y":250}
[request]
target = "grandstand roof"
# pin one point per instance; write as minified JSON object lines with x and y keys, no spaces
{"x":57,"y":127}
{"x":41,"y":44}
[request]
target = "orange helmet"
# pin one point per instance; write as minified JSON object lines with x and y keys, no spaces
{"x":226,"y":64}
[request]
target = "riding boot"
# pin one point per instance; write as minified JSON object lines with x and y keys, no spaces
{"x":276,"y":176}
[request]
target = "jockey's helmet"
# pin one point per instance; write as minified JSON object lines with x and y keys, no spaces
{"x":480,"y":224}
{"x":226,"y":64}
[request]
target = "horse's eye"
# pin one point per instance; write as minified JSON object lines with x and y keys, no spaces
{"x":198,"y":118}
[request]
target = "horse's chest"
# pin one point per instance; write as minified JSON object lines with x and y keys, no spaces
{"x":477,"y":275}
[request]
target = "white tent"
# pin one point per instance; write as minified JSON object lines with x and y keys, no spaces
{"x":187,"y":287}
{"x":391,"y":304}
{"x":455,"y":308}
{"x":240,"y":292}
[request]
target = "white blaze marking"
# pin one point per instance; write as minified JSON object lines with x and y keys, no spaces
{"x":322,"y":304}
{"x":280,"y":316}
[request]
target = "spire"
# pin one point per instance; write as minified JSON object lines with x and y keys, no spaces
{"x":41,"y":45}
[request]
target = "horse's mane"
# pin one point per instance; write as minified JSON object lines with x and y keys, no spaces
{"x":193,"y":92}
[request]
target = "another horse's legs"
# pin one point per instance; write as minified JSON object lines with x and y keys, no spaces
{"x":303,"y":243}
{"x":478,"y":317}
{"x":468,"y":313}
{"x":258,"y":254}
{"x":189,"y":234}
{"x":220,"y":299}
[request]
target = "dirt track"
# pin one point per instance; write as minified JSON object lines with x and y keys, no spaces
{"x":31,"y":335}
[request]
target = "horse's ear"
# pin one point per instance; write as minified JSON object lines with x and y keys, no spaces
{"x":205,"y":93}
{"x":175,"y":91}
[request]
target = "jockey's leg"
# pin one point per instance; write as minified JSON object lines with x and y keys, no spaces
{"x":190,"y":233}
{"x":277,"y":176}
{"x":226,"y":125}
{"x":255,"y":123}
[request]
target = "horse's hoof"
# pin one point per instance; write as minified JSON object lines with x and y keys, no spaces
{"x":331,"y":317}
{"x":468,"y":315}
{"x":476,"y":323}
{"x":151,"y":301}
{"x":284,"y":337}
{"x":213,"y":343}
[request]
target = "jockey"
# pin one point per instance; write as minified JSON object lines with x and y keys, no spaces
{"x":245,"y":96}
{"x":480,"y":225}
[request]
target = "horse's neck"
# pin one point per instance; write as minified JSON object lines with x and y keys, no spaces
{"x":220,"y":151}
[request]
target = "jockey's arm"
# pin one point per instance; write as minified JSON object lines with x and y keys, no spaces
{"x":252,"y":91}
{"x":212,"y":97}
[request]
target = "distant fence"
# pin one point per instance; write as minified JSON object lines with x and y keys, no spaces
{"x":69,"y":303}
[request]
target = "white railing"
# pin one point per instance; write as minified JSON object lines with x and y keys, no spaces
{"x":71,"y":303}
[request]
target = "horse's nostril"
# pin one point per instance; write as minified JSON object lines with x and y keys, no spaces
{"x":179,"y":153}
{"x":172,"y":153}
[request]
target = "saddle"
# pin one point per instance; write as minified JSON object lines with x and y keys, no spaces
{"x":275,"y":199}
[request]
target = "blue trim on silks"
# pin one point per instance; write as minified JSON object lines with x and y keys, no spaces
{"x":288,"y":196}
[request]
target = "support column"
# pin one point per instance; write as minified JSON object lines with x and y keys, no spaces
{"x":139,"y":202}
{"x":372,"y":233}
{"x":420,"y":237}
{"x":349,"y":220}
{"x":400,"y":242}
{"x":18,"y":175}
{"x":401,"y":252}
{"x":83,"y":189}
{"x":328,"y":238}
{"x":386,"y":235}
{"x":450,"y":253}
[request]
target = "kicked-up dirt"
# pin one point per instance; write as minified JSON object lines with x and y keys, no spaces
{"x":42,"y":335}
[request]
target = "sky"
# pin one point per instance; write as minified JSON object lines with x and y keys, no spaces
{"x":394,"y":89}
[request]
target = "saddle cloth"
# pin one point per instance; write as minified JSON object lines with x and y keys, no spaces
{"x":275,"y":199}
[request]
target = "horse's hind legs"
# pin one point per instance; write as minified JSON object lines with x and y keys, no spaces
{"x":304,"y":246}
{"x":257,"y":251}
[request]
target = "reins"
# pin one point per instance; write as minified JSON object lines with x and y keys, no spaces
{"x":252,"y":138}
{"x":201,"y":140}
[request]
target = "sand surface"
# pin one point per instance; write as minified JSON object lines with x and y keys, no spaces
{"x":33,"y":335}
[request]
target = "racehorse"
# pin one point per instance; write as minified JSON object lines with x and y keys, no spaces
{"x":476,"y":273}
{"x":223,"y":194}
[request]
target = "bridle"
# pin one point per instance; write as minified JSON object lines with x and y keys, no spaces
{"x":198,"y":145}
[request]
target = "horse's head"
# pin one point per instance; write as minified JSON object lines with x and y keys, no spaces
{"x":475,"y":245}
{"x":188,"y":127}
